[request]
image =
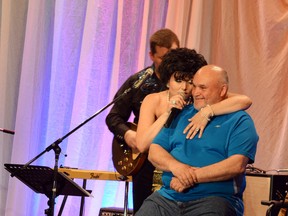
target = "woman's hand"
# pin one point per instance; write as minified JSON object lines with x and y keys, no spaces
{"x":176,"y":101}
{"x":198,"y":122}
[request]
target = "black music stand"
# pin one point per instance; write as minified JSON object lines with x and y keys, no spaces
{"x":40,"y":180}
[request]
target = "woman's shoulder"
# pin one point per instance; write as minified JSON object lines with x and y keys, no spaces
{"x":155,"y":96}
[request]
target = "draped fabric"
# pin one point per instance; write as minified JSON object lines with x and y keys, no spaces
{"x":61,"y":62}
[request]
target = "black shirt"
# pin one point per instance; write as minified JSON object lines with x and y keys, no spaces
{"x":130,"y":103}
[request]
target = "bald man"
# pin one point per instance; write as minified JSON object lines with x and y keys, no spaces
{"x":203,"y":176}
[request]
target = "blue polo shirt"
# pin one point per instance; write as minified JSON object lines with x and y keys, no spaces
{"x":224,"y":136}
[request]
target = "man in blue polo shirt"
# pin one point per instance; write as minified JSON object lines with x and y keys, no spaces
{"x":203,"y":176}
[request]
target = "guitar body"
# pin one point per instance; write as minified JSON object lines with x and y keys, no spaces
{"x":125,"y":161}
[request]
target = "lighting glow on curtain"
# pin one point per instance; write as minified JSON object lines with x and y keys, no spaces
{"x":62,"y":61}
{"x":73,"y":51}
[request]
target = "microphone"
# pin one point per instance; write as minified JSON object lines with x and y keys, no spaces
{"x":142,"y":79}
{"x":175,"y":111}
{"x":173,"y":114}
{"x":7,"y":131}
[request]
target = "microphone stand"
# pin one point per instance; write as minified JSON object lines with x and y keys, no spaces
{"x":275,"y":206}
{"x":7,"y":131}
{"x":57,"y":150}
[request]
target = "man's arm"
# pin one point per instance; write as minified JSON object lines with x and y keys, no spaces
{"x":223,"y":170}
{"x":187,"y":176}
{"x":119,"y":114}
{"x":162,"y":160}
{"x":116,"y":121}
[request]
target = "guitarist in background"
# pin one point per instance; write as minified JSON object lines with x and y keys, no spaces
{"x":161,"y":42}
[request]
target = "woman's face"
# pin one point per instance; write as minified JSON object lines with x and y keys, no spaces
{"x":180,"y":86}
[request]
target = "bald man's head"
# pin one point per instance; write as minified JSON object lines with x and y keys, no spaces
{"x":210,"y":86}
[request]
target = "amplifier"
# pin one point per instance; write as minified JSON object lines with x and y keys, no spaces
{"x":263,"y":187}
{"x":112,"y":211}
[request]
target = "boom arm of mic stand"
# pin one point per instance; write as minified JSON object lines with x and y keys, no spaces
{"x":57,"y":150}
{"x":58,"y":141}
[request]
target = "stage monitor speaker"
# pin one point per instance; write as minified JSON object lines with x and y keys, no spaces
{"x":263,"y":187}
{"x":112,"y":211}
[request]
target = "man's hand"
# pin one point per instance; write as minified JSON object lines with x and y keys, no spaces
{"x":185,"y":174}
{"x":130,"y":139}
{"x":176,"y":185}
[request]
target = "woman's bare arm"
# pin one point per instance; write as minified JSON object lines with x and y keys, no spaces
{"x":149,"y":125}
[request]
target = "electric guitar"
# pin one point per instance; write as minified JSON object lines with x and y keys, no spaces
{"x":125,"y":160}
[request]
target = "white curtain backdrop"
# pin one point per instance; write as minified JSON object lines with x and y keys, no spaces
{"x":61,"y":61}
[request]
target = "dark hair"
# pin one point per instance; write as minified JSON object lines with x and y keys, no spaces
{"x":163,"y":38}
{"x":185,"y":62}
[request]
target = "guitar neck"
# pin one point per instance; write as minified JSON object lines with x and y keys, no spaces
{"x":94,"y":174}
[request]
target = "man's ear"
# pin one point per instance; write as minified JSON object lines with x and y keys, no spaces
{"x":151,"y":55}
{"x":224,"y":90}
